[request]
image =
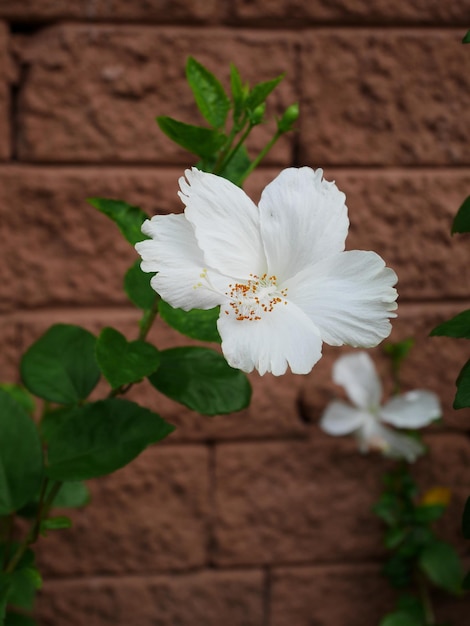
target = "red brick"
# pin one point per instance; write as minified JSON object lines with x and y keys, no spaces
{"x":10,"y":332}
{"x":352,"y":595}
{"x":310,"y":502}
{"x":349,"y":11}
{"x":384,"y":98}
{"x":148,"y":10}
{"x":150,"y":516}
{"x":6,"y":73}
{"x":67,"y":253}
{"x":91,"y":93}
{"x":209,"y":598}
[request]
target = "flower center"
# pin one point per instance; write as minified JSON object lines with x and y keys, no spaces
{"x":253,"y":298}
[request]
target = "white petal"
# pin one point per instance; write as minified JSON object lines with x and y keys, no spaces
{"x":357,"y":374}
{"x":392,"y":444}
{"x":303,"y":219}
{"x":349,"y":296}
{"x":226,"y":224}
{"x":414,"y":409}
{"x":341,"y":419}
{"x":283,"y":337}
{"x":173,"y":253}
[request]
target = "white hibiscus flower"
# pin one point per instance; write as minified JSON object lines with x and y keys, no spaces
{"x":367,"y":418}
{"x":278,"y":271}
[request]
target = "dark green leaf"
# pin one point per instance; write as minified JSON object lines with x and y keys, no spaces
{"x":128,"y":218}
{"x":260,"y":92}
{"x":441,"y":564}
{"x":238,"y":91}
{"x":461,"y":222}
{"x":60,"y":522}
{"x":466,"y":520}
{"x":61,"y":366}
{"x":198,"y":324}
{"x":21,"y":395}
{"x":394,"y":536}
{"x":201,"y":141}
{"x":426,"y":514}
{"x":458,"y":327}
{"x":400,"y":618}
{"x":466,"y":581}
{"x":466,"y":38}
{"x":72,"y":495}
{"x":462,"y":397}
{"x":21,"y":462}
{"x":202,"y":380}
{"x":137,"y":287}
{"x":237,"y":166}
{"x":24,"y":581}
{"x":99,"y":438}
{"x":123,"y":362}
{"x":15,"y":619}
{"x":209,"y":94}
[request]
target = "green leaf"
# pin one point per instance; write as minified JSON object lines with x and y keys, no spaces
{"x":99,"y":438}
{"x":458,"y":327}
{"x":21,"y":395}
{"x":441,"y":564}
{"x":137,"y":287}
{"x":461,"y":223}
{"x":235,"y":169}
{"x":21,"y":462}
{"x":72,"y":495}
{"x":394,"y":536}
{"x":425,"y":514}
{"x":400,"y":618}
{"x":201,"y":141}
{"x":466,"y":38}
{"x":238,"y":91}
{"x":462,"y":397}
{"x":466,"y":520}
{"x":124,"y":362}
{"x":209,"y":94}
{"x":60,"y":522}
{"x":15,"y":619}
{"x":260,"y":92}
{"x":61,"y":365}
{"x":24,"y":581}
{"x":128,"y":218}
{"x":197,"y":324}
{"x":202,"y":380}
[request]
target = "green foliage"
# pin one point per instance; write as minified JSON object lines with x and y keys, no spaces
{"x":466,"y":38}
{"x":60,"y":522}
{"x":461,"y":223}
{"x":441,"y":564}
{"x":202,"y":380}
{"x":457,"y":327}
{"x":409,"y":612}
{"x":21,"y":395}
{"x":21,"y":585}
{"x":462,"y":397}
{"x":61,"y":365}
{"x":197,"y":324}
{"x":20,"y":456}
{"x":209,"y":94}
{"x":138,"y":289}
{"x":128,"y":218}
{"x":16,"y":619}
{"x":124,"y":362}
{"x":196,"y":139}
{"x":99,"y":438}
{"x":260,"y":92}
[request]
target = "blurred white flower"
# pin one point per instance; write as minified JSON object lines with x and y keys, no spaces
{"x":278,"y":271}
{"x":367,"y":418}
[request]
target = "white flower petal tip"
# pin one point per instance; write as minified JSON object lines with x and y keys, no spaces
{"x":357,"y":374}
{"x":278,"y":271}
{"x":413,"y":409}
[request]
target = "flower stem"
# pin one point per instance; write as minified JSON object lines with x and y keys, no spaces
{"x":260,"y":156}
{"x":426,"y":601}
{"x":233,"y":152}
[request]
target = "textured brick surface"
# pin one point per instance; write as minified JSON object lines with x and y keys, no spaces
{"x":350,"y":11}
{"x":92,"y":93}
{"x":208,"y":598}
{"x":148,"y":517}
{"x":310,"y":501}
{"x":67,"y":253}
{"x":153,"y":10}
{"x":335,"y":596}
{"x":6,"y":75}
{"x":385,"y":98}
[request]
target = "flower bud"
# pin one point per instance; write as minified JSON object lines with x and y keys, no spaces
{"x":256,"y":116}
{"x":289,"y":117}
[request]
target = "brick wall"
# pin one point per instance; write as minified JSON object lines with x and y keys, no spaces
{"x":255,"y":519}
